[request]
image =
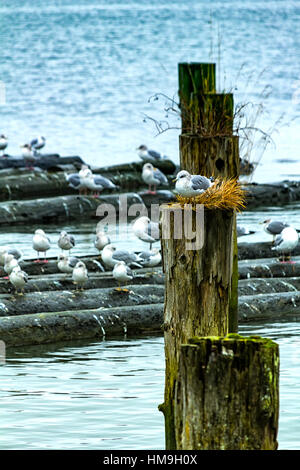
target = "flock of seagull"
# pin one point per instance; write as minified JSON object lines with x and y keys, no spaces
{"x":118,"y":261}
{"x":285,"y":237}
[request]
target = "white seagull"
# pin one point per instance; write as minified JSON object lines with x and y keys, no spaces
{"x":122,"y":273}
{"x":101,"y":240}
{"x":18,"y":278}
{"x":110,"y":256}
{"x":153,"y":177}
{"x":10,"y":262}
{"x":3,"y":143}
{"x":37,"y":144}
{"x":66,"y":242}
{"x":28,"y":155}
{"x":40,"y":243}
{"x":146,"y":230}
{"x":188,"y":185}
{"x":66,"y":264}
{"x":241,"y":231}
{"x":97,"y":183}
{"x":150,"y":258}
{"x":11,"y":251}
{"x":80,"y":274}
{"x":149,"y":155}
{"x":285,"y":243}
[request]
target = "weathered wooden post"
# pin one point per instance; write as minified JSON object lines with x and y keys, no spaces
{"x":227,"y":394}
{"x":207,"y":144}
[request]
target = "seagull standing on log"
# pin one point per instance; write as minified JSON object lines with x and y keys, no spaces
{"x":146,"y":230}
{"x":153,"y":177}
{"x":285,"y":243}
{"x":37,"y":144}
{"x":149,"y":155}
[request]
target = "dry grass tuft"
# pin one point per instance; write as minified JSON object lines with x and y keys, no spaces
{"x":226,"y":194}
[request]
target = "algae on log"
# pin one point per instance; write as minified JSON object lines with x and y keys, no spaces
{"x":269,"y":307}
{"x":197,"y":284}
{"x":51,"y":327}
{"x":227,"y":394}
{"x":268,"y":267}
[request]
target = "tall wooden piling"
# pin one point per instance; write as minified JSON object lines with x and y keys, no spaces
{"x":227,"y":394}
{"x":207,"y":145}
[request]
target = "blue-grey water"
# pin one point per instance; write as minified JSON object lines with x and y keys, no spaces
{"x":82,"y":73}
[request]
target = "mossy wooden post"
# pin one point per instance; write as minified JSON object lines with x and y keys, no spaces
{"x":197,"y":285}
{"x":227,"y":394}
{"x":207,"y":144}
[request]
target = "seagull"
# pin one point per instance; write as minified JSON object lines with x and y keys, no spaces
{"x":274,"y":227}
{"x":101,"y":240}
{"x":66,"y":264}
{"x":10,"y":262}
{"x":241,"y":231}
{"x":11,"y":251}
{"x":28,"y":155}
{"x":122,"y":273}
{"x":83,"y":175}
{"x":188,"y":185}
{"x":3,"y":143}
{"x":153,"y":177}
{"x":38,"y":144}
{"x":66,"y":241}
{"x":110,"y":256}
{"x":97,"y":183}
{"x":80,"y":274}
{"x":149,"y":155}
{"x":74,"y":181}
{"x":150,"y":258}
{"x":285,"y":242}
{"x":146,"y":230}
{"x":40,"y":243}
{"x":18,"y":278}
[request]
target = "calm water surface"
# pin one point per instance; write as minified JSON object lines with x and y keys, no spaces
{"x":104,"y":394}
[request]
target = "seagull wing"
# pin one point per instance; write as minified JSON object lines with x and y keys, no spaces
{"x":73,"y":180}
{"x":73,"y":261}
{"x":104,"y":182}
{"x":123,"y":255}
{"x":154,"y":154}
{"x":278,"y":240}
{"x":72,"y":240}
{"x":276,"y":226}
{"x":153,"y":230}
{"x":200,"y":182}
{"x":160,"y":176}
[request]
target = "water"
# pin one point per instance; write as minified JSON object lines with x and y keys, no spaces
{"x":82,"y":72}
{"x":104,"y":394}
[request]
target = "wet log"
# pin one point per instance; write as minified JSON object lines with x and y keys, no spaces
{"x":227,"y":394}
{"x":260,"y":250}
{"x":45,"y":162}
{"x":269,"y":285}
{"x":273,"y":194}
{"x":62,"y":208}
{"x":53,"y":327}
{"x":56,"y":301}
{"x":270,"y":307}
{"x":268,"y":267}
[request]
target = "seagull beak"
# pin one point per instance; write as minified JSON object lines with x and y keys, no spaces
{"x":173,"y":181}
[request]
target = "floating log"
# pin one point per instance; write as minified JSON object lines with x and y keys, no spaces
{"x":273,"y":194}
{"x":260,"y":250}
{"x":64,"y":208}
{"x":227,"y":394}
{"x":269,"y":285}
{"x":56,"y":301}
{"x":269,"y":307}
{"x":53,"y":327}
{"x":45,"y":161}
{"x":268,"y":267}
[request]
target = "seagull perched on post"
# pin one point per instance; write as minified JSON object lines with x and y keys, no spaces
{"x":110,"y":256}
{"x":149,"y":155}
{"x":18,"y":278}
{"x":37,"y":144}
{"x":40,"y":243}
{"x":3,"y":143}
{"x":188,"y":185}
{"x":285,"y":242}
{"x":122,"y":273}
{"x":66,"y":242}
{"x":153,"y":177}
{"x":146,"y":230}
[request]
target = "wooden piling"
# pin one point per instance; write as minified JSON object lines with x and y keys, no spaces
{"x":197,"y":286}
{"x":227,"y":394}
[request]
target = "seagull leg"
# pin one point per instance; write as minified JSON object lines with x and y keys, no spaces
{"x":38,"y":257}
